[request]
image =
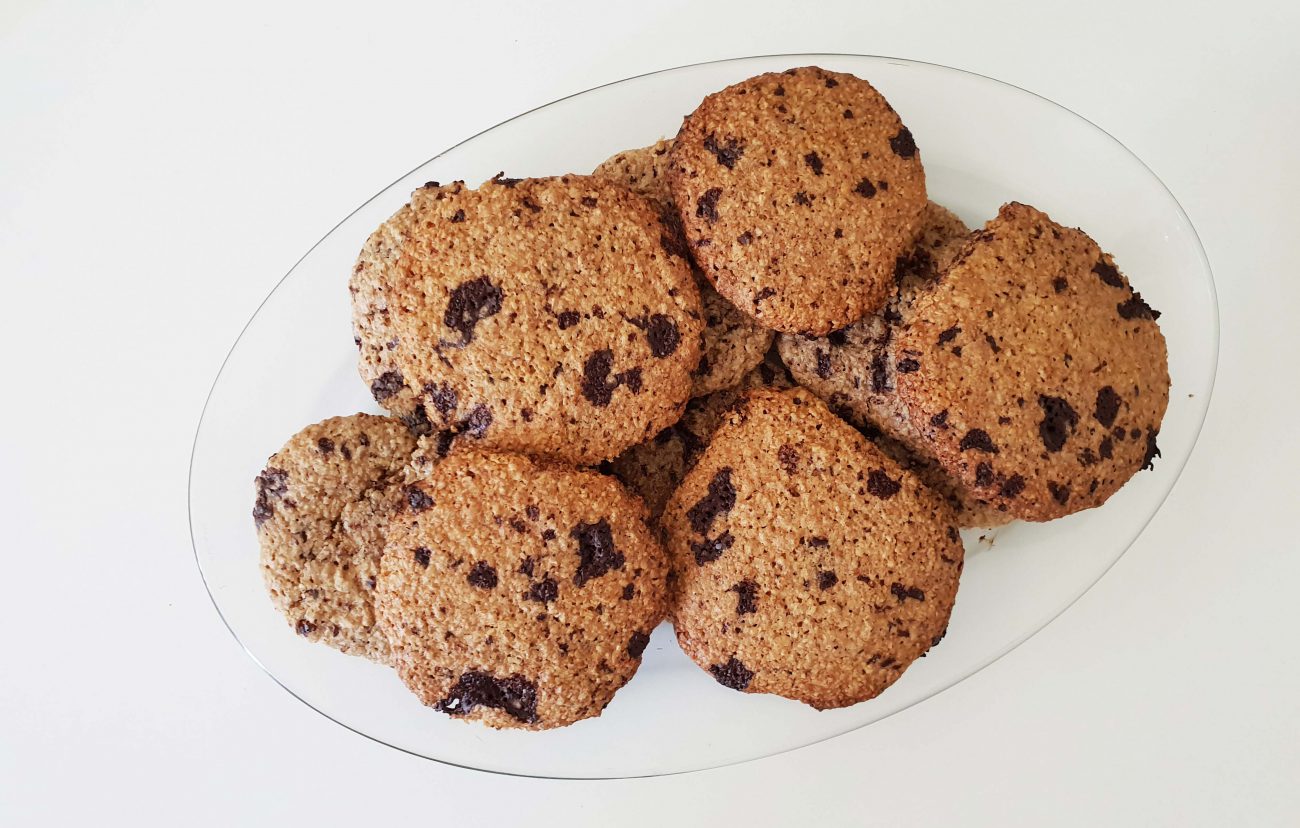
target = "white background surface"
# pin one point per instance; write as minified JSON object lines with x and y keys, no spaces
{"x":161,"y":167}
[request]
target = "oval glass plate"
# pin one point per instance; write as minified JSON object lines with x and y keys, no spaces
{"x":983,"y":142}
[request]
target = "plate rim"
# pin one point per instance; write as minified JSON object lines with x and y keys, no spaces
{"x":1199,"y":426}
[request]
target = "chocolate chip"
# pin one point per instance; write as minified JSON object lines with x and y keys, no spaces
{"x":271,"y":483}
{"x":902,"y":144}
{"x":417,"y":499}
{"x":1059,"y":420}
{"x":482,"y":576}
{"x":500,"y":178}
{"x":882,"y":485}
{"x":476,"y":424}
{"x":516,"y":696}
{"x":1106,"y":449}
{"x":1013,"y":486}
{"x":548,"y":535}
{"x":879,"y":374}
{"x":865,"y":188}
{"x":823,"y":364}
{"x":788,"y":458}
{"x":1137,"y":308}
{"x":814,"y":162}
{"x":1059,"y":284}
{"x":993,"y":343}
{"x":526,"y":567}
{"x":442,"y":396}
{"x":595,"y":378}
{"x":948,"y":335}
{"x":1107,"y":409}
{"x":422,"y":556}
{"x":802,"y":199}
{"x":596,"y":551}
{"x":720,"y":499}
{"x":637,"y":644}
{"x":471,"y":302}
{"x":746,"y":597}
{"x":1060,"y":492}
{"x":706,"y":206}
{"x":765,"y":293}
{"x":902,"y":593}
{"x":457,"y":217}
{"x":710,"y":549}
{"x":745,"y":238}
{"x":1153,"y":451}
{"x":940,"y":420}
{"x":532,"y":512}
{"x":953,"y":535}
{"x":518,"y":525}
{"x":662,"y":333}
{"x":839,"y":232}
{"x":417,"y":422}
{"x":305,"y":627}
{"x":629,"y":592}
{"x":831,"y":83}
{"x":978,"y":439}
{"x":907,"y":366}
{"x":779,"y":91}
{"x":727,"y":153}
{"x":545,"y":591}
{"x":733,"y":674}
{"x":848,"y":113}
{"x":983,"y":474}
{"x":631,"y":379}
{"x":838,"y":338}
{"x":818,"y":542}
{"x":826,"y":579}
{"x":443,"y":445}
{"x":1087,"y":458}
{"x":568,"y":319}
{"x":1107,"y":273}
{"x":325,"y":445}
{"x":388,"y":384}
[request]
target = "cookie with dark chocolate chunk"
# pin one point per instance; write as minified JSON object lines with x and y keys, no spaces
{"x":516,"y":593}
{"x":806,"y":562}
{"x":479,"y":317}
{"x":321,"y":508}
{"x":733,"y":343}
{"x":798,"y":191}
{"x":1036,"y":384}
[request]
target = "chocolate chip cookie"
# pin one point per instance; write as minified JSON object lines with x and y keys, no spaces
{"x":551,"y":316}
{"x":516,"y":593}
{"x":653,"y":469}
{"x":798,"y":190}
{"x":805,"y":562}
{"x":1033,"y":370}
{"x":733,"y":342}
{"x":321,"y":509}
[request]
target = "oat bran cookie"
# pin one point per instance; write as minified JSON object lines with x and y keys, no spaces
{"x":1034,"y":371}
{"x":322,"y":506}
{"x":733,"y":342}
{"x":798,"y":190}
{"x":852,"y":369}
{"x":805,"y":562}
{"x":550,"y":316}
{"x":654,"y":469}
{"x":518,"y":593}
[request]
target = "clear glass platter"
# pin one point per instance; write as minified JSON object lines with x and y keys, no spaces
{"x":983,"y":143}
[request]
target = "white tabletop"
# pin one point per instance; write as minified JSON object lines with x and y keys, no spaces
{"x":161,"y":168}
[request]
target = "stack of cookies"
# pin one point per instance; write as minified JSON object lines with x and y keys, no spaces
{"x":750,"y":380}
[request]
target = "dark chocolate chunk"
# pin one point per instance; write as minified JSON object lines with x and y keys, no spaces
{"x":823,"y":364}
{"x":663,"y":335}
{"x":1107,"y":409}
{"x":443,"y":398}
{"x":470,"y":303}
{"x":457,"y":217}
{"x":814,"y":162}
{"x":948,"y":335}
{"x":907,"y":366}
{"x":865,"y":188}
{"x":978,"y":439}
{"x":902,"y":144}
{"x":596,"y":551}
{"x":1060,"y":492}
{"x":388,"y":384}
{"x":902,"y":593}
{"x":1153,"y":451}
{"x":305,"y":627}
{"x":728,"y":152}
{"x":545,"y":591}
{"x":1058,"y":423}
{"x":476,"y":424}
{"x":1107,"y":273}
{"x":983,"y":474}
{"x":483,"y":576}
{"x":788,"y":458}
{"x":826,"y":579}
{"x":746,"y":597}
{"x":515,"y":695}
{"x":629,"y":592}
{"x":1107,"y":449}
{"x":720,"y":499}
{"x":1059,"y":284}
{"x":710,"y":549}
{"x":568,"y":319}
{"x":706,"y":206}
{"x":733,"y":674}
{"x":422,"y":555}
{"x":271,"y":483}
{"x":1137,"y":308}
{"x":637,"y":644}
{"x":596,"y":386}
{"x":882,"y":485}
{"x":417,"y":499}
{"x":1012,"y":486}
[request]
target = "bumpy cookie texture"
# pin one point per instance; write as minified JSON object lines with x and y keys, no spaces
{"x":516,"y":593}
{"x":549,"y":316}
{"x":653,"y":469}
{"x":805,"y":562}
{"x":733,"y":343}
{"x":321,"y":509}
{"x":798,"y":191}
{"x":1034,"y":371}
{"x":855,"y":368}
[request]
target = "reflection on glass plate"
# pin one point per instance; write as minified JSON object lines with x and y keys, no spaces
{"x":984,"y":143}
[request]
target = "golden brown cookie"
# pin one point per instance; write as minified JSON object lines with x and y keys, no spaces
{"x":852,"y":369}
{"x":322,"y":506}
{"x":805,"y":562}
{"x":654,"y":469}
{"x":517,"y":593}
{"x":798,"y":191}
{"x":549,"y":316}
{"x":1033,"y":370}
{"x":733,"y":343}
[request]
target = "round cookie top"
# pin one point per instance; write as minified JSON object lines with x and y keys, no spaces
{"x":654,"y":469}
{"x":805,"y":562}
{"x":322,"y":504}
{"x":733,"y":343}
{"x":1035,"y":372}
{"x":516,"y":593}
{"x":549,"y":316}
{"x":853,"y":369}
{"x":798,"y":191}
